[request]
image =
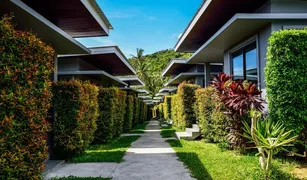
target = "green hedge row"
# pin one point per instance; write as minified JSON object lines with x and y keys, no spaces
{"x":128,"y":121}
{"x":76,"y":111}
{"x":185,"y":105}
{"x":285,"y":78}
{"x":25,"y":98}
{"x":211,"y":120}
{"x":167,"y":107}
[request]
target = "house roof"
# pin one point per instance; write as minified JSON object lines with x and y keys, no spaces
{"x":237,"y":29}
{"x":169,"y":89}
{"x":182,"y":77}
{"x":210,"y":17}
{"x":107,"y":58}
{"x":176,"y":66}
{"x":28,"y":19}
{"x":79,"y":18}
{"x":132,"y":80}
{"x":103,"y":77}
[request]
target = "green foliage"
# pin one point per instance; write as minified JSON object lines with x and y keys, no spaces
{"x":285,"y":78}
{"x":167,"y":107}
{"x":25,"y":96}
{"x":175,"y":109}
{"x":207,"y":161}
{"x":112,"y":107}
{"x":186,"y":99}
{"x":111,"y":152}
{"x":218,"y":128}
{"x":271,"y":137}
{"x":204,"y":106}
{"x":150,"y":67}
{"x":76,"y":111}
{"x":129,"y":113}
{"x":137,"y":111}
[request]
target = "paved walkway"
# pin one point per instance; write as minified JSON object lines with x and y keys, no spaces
{"x":149,"y":158}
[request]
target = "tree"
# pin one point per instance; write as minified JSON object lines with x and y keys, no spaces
{"x":149,"y":67}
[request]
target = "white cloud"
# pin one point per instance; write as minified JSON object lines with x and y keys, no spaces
{"x":105,"y":42}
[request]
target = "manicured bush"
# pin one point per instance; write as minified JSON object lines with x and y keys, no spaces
{"x":76,"y":112}
{"x":120,"y":100}
{"x":25,"y":96}
{"x":218,"y":128}
{"x":160,"y":110}
{"x":167,"y":107}
{"x":136,"y":116}
{"x":107,"y":110}
{"x":175,"y":113}
{"x":204,"y":106}
{"x":186,"y":100}
{"x":285,"y":77}
{"x":128,"y":122}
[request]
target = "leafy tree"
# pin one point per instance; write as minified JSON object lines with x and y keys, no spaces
{"x":149,"y":67}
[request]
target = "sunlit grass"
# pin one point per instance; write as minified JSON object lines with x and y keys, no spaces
{"x":207,"y":161}
{"x":112,"y":152}
{"x":167,"y":132}
{"x":139,"y":129}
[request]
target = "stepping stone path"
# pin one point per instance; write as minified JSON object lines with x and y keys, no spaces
{"x":149,"y":158}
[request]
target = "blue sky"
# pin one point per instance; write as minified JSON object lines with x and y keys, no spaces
{"x":149,"y":24}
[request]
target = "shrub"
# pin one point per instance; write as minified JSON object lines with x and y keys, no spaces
{"x":175,"y":113}
{"x":167,"y":107}
{"x":160,"y":110}
{"x":218,"y":128}
{"x":25,"y":96}
{"x":119,"y":116}
{"x":186,"y":100}
{"x":204,"y":106}
{"x":76,"y":112}
{"x":285,"y":77}
{"x":107,"y":112}
{"x":136,"y":118}
{"x":129,"y":113}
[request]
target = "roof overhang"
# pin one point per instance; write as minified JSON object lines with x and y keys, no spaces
{"x":210,"y":17}
{"x":145,"y":97}
{"x":158,"y":98}
{"x":79,"y":18}
{"x":162,"y":94}
{"x":28,"y":19}
{"x":102,"y":77}
{"x":142,"y":91}
{"x":182,"y":77}
{"x":168,"y":90}
{"x":107,"y":58}
{"x":236,"y":30}
{"x":176,"y":66}
{"x":132,"y":80}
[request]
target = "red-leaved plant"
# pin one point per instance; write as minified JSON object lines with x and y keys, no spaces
{"x":238,"y":99}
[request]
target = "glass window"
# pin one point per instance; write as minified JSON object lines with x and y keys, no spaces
{"x":244,"y":64}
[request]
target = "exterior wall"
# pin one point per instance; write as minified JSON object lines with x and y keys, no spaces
{"x":288,"y":6}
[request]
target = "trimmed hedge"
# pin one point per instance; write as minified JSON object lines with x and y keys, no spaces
{"x":76,"y":112}
{"x":175,"y":112}
{"x":128,"y":122}
{"x":285,"y":77}
{"x":186,"y":99}
{"x":167,"y":107}
{"x":112,"y":107}
{"x":218,"y":128}
{"x":136,"y":116}
{"x":25,"y":96}
{"x":120,"y":101}
{"x":204,"y":106}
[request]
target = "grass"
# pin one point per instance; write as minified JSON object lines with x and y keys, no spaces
{"x":139,"y":129}
{"x":80,"y":178}
{"x":167,"y":132}
{"x":112,"y":152}
{"x":207,"y":161}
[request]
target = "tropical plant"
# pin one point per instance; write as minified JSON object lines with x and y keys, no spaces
{"x":270,"y":136}
{"x":238,"y":98}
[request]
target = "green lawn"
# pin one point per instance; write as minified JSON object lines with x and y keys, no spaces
{"x":139,"y":129}
{"x":207,"y":161}
{"x":81,"y":178}
{"x":112,"y":152}
{"x":167,"y":132}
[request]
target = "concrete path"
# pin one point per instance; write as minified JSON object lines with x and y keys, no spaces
{"x":149,"y":158}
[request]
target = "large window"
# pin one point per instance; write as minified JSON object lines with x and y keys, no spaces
{"x":244,"y":63}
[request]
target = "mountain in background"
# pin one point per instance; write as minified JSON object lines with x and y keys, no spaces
{"x":149,"y":67}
